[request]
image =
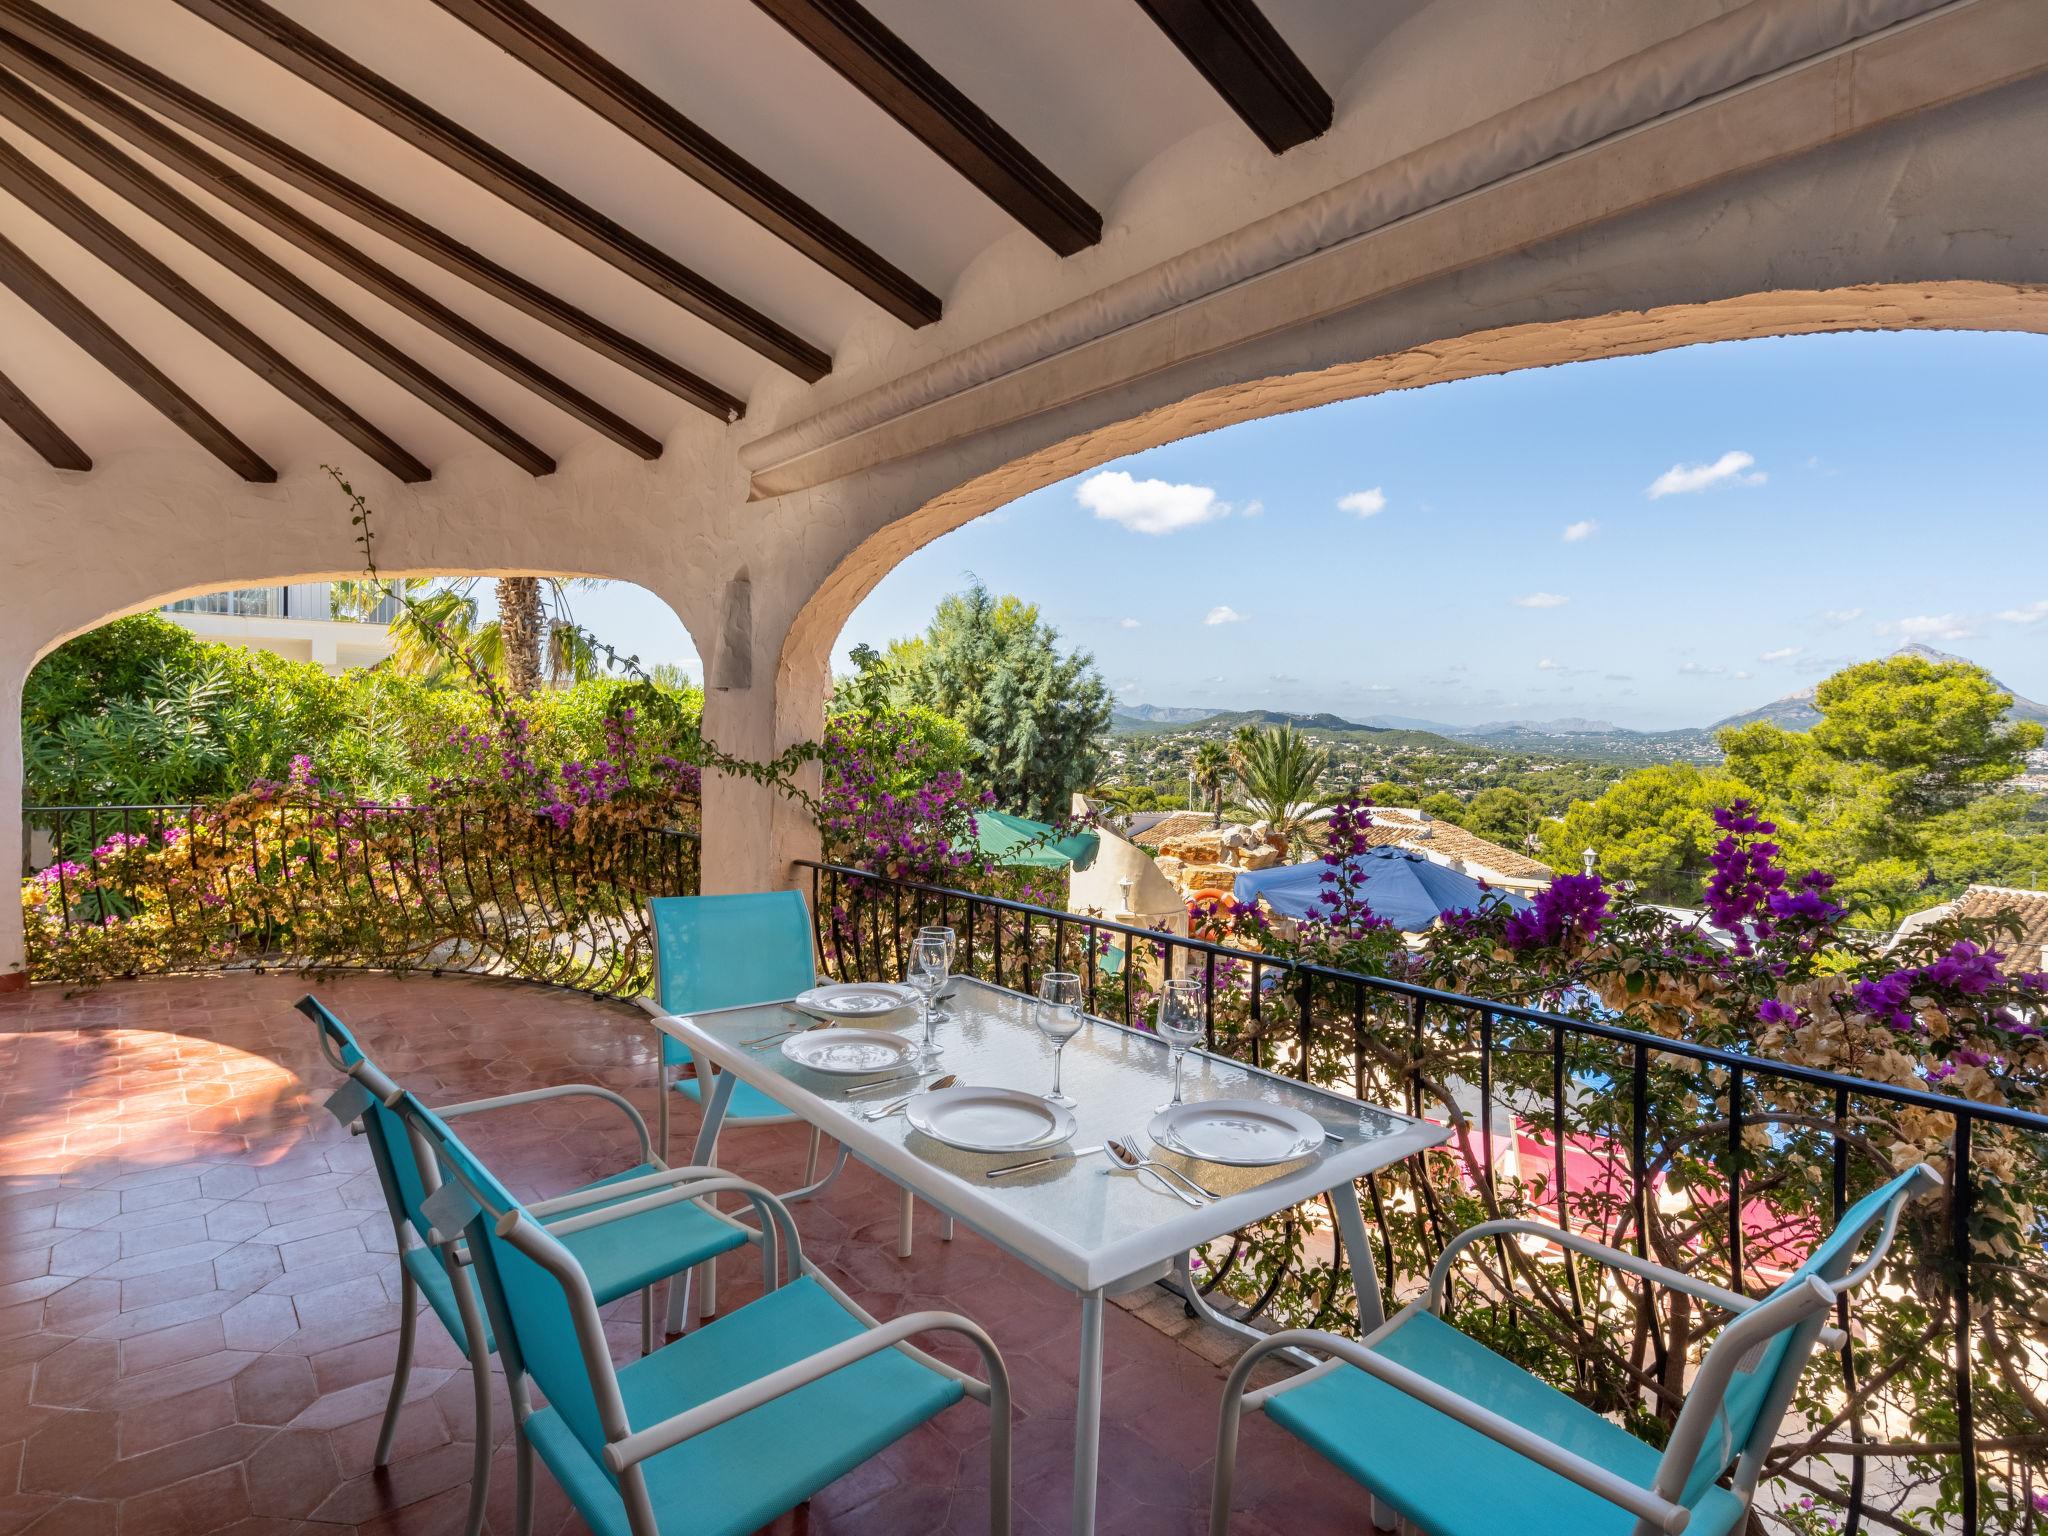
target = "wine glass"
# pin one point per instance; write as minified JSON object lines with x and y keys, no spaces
{"x":952,"y":949}
{"x":929,"y":964}
{"x":1179,"y":1023}
{"x":1058,"y":1017}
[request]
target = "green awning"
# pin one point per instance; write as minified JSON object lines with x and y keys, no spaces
{"x":1012,"y":840}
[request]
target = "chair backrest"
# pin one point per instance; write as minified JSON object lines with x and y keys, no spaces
{"x":542,"y":1311}
{"x":391,"y":1149}
{"x":729,"y":951}
{"x":1745,"y":1383}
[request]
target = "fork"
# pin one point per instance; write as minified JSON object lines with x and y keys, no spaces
{"x":1125,"y":1150}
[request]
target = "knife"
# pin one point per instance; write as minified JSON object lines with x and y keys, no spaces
{"x":1042,"y":1162}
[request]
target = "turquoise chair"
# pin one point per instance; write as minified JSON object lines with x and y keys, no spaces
{"x":1457,"y":1441}
{"x":730,"y":951}
{"x":723,"y":1430}
{"x":621,"y":1252}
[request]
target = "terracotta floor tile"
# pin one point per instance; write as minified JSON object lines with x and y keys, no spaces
{"x":221,"y":1357}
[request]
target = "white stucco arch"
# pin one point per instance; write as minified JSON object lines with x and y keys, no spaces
{"x":1885,"y":181}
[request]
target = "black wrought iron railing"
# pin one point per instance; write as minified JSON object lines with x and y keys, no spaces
{"x":126,"y":890}
{"x":1701,"y":1158}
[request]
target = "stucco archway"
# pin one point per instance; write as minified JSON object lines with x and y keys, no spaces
{"x":1955,"y":305}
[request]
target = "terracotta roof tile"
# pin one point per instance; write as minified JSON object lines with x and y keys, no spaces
{"x":2030,"y":907}
{"x":1454,"y":842}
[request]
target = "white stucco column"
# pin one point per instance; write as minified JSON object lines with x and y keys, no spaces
{"x":13,"y":961}
{"x":755,"y":710}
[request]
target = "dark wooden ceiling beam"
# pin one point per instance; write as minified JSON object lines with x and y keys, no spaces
{"x":1248,"y":63}
{"x":63,"y":309}
{"x":573,"y":67}
{"x":171,"y":148}
{"x":63,"y":209}
{"x":114,"y":169}
{"x":37,"y":430}
{"x":890,"y":74}
{"x":24,"y":22}
{"x":285,"y":43}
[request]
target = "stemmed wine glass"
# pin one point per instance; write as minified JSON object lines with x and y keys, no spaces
{"x":929,"y":963}
{"x":1058,"y":1017}
{"x":1179,"y":1022}
{"x":952,"y":949}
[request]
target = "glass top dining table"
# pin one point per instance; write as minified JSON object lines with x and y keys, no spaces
{"x":1093,"y":1229}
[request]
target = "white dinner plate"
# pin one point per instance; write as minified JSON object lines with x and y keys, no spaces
{"x":1239,"y":1133}
{"x":989,"y":1119}
{"x":857,"y":999}
{"x":847,"y":1052}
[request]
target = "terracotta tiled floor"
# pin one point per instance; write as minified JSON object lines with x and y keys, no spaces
{"x":198,"y":1294}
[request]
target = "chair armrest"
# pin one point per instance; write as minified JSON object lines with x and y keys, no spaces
{"x":560,"y":1090}
{"x":1641,"y":1502}
{"x":1613,"y":1258}
{"x":597,"y":1194}
{"x":673,"y":1431}
{"x":773,"y":1214}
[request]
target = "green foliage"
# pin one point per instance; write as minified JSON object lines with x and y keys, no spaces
{"x":1212,"y":765}
{"x":1505,"y":816}
{"x":115,"y":661}
{"x":1897,"y":788}
{"x":1387,"y":792}
{"x":1653,"y":827}
{"x":1032,"y":713}
{"x":1282,"y":779}
{"x":1445,"y":806}
{"x":141,"y":713}
{"x":1936,"y":730}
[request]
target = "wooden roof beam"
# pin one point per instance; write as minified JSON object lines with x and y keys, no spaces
{"x":37,"y":430}
{"x":889,"y":73}
{"x":168,"y":147}
{"x":60,"y":207}
{"x":115,"y":170}
{"x":23,"y":21}
{"x":285,"y":43}
{"x":63,"y":309}
{"x":579,"y":71}
{"x":1243,"y":56}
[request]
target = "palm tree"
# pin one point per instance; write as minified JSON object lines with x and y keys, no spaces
{"x":527,"y":643}
{"x":1212,"y":762}
{"x":1282,"y":779}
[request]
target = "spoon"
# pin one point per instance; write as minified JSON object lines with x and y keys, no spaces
{"x":1125,"y":1154}
{"x":883,"y":1112}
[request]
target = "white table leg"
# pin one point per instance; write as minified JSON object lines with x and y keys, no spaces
{"x":1365,"y":1276}
{"x":1088,"y":1414}
{"x":703,"y":1155}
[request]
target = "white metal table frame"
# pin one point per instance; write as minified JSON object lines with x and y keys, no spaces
{"x":1093,"y":1272}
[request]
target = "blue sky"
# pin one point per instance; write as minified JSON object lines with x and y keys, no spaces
{"x":1655,"y":541}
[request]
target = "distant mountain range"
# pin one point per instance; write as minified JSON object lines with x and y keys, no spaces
{"x":1794,"y":712}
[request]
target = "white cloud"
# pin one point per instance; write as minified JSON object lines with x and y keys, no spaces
{"x":2033,"y":613}
{"x":1842,"y":615}
{"x":1126,"y":623}
{"x":1929,"y":626}
{"x":1541,"y":600}
{"x":1547,"y":665}
{"x":1694,"y":669}
{"x":1149,"y":506}
{"x":1580,"y":531}
{"x":1364,"y":503}
{"x":1782,"y":653}
{"x":1743,"y":676}
{"x":1251,"y":509}
{"x":1729,"y":469}
{"x":1223,"y":613}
